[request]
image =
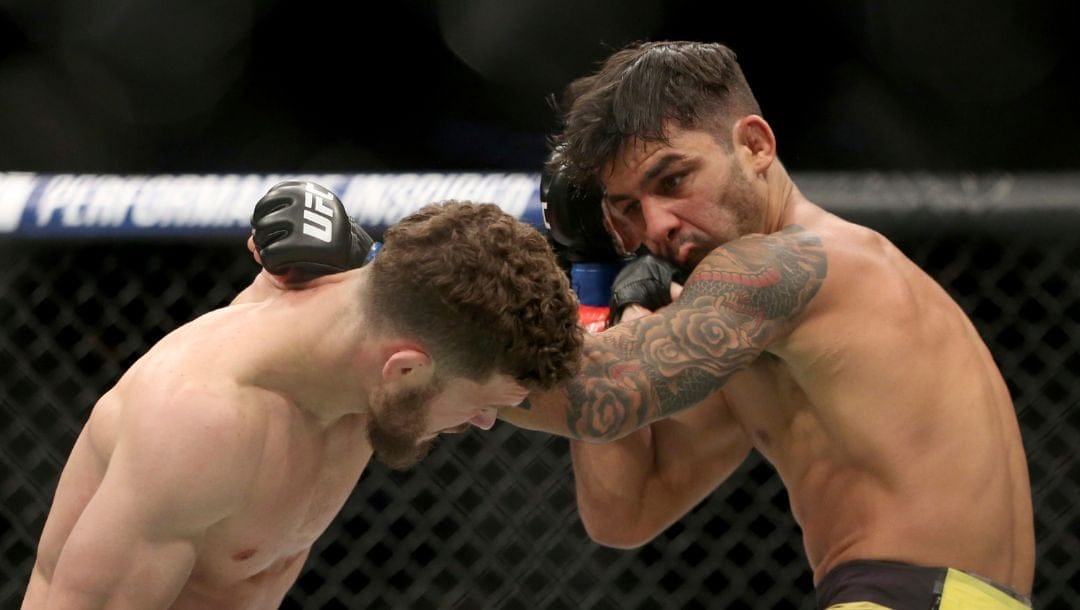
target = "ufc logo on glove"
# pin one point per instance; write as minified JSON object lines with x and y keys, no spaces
{"x":318,"y":215}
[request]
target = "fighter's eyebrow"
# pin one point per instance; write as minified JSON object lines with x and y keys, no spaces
{"x":659,"y":167}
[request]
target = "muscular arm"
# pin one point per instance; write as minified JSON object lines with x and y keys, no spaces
{"x":630,"y":490}
{"x":136,"y":541}
{"x":739,"y":300}
{"x":119,"y":556}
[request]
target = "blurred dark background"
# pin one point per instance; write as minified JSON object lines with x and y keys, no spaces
{"x":152,"y":86}
{"x":264,"y":86}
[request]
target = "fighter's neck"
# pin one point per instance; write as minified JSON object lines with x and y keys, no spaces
{"x":785,"y":201}
{"x":311,"y":352}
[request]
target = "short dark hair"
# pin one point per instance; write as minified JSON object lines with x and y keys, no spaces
{"x":640,"y":88}
{"x":481,"y":290}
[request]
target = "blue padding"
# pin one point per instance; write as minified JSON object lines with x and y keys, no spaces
{"x":97,"y":206}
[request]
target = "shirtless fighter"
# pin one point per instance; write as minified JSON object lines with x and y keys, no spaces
{"x":807,"y":338}
{"x":800,"y":335}
{"x":202,"y":478}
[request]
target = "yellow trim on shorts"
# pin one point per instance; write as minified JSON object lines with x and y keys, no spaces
{"x":962,"y":592}
{"x":965,"y":592}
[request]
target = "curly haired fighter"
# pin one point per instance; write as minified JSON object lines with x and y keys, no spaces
{"x":205,"y":474}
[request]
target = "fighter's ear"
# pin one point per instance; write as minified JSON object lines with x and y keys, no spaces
{"x":407,"y":364}
{"x":754,"y":137}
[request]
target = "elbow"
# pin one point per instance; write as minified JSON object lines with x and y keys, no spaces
{"x":619,"y":538}
{"x":616,"y":530}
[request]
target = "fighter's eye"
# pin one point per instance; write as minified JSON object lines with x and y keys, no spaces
{"x":671,"y":182}
{"x":630,"y":207}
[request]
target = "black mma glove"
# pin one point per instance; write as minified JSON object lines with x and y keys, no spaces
{"x":301,"y":232}
{"x":574,"y":219}
{"x":646,"y":280}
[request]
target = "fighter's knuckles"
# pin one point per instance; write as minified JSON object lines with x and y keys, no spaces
{"x":646,"y":282}
{"x":281,"y":197}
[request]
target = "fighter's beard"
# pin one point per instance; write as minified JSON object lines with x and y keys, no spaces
{"x":398,"y":422}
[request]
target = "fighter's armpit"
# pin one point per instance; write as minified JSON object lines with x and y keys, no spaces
{"x":740,"y":299}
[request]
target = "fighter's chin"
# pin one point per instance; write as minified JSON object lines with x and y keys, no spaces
{"x":690,"y":256}
{"x":404,"y":459}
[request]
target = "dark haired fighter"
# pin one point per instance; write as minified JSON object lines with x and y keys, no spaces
{"x":807,"y":338}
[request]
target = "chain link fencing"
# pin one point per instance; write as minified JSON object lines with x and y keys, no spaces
{"x":489,"y":519}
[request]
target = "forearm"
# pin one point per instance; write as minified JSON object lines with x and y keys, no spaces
{"x":618,"y":390}
{"x":582,"y":408}
{"x":544,"y":411}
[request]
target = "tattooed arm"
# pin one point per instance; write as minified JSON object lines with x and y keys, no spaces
{"x":633,"y":488}
{"x":741,"y":298}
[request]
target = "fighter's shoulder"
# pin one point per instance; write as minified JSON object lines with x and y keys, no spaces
{"x":866,"y":272}
{"x":821,"y":265}
{"x":792,"y":262}
{"x":856,"y":254}
{"x":198,"y":445}
{"x":792,"y":245}
{"x":194,"y":423}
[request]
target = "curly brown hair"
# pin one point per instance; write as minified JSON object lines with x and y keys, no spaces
{"x":481,"y":290}
{"x":637,"y":90}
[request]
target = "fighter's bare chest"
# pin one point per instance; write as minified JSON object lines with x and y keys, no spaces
{"x":767,"y":401}
{"x":299,"y":491}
